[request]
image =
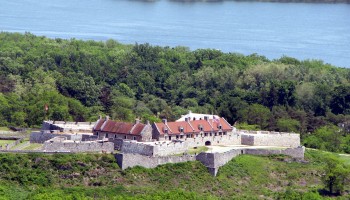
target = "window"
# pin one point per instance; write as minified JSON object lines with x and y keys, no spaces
{"x":177,"y":137}
{"x":216,"y":134}
{"x":115,"y":136}
{"x":205,"y":134}
{"x":134,"y":138}
{"x":211,"y":134}
{"x":181,"y":129}
{"x":220,"y":127}
{"x":97,"y":133}
{"x":181,"y":136}
{"x":124,"y":137}
{"x":106,"y":135}
{"x":225,"y":133}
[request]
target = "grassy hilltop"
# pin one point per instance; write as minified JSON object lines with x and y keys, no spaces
{"x":90,"y":176}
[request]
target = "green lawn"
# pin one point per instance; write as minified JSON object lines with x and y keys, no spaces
{"x":33,"y":146}
{"x":197,"y":150}
{"x":3,"y":142}
{"x":4,"y":129}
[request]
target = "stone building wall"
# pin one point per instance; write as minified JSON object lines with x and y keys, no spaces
{"x":146,"y":133}
{"x":271,"y":139}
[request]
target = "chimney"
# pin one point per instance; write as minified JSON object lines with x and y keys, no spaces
{"x":147,"y":122}
{"x":107,"y":118}
{"x":189,"y":112}
{"x":137,"y":121}
{"x":186,"y":119}
{"x":164,"y":121}
{"x":206,"y":118}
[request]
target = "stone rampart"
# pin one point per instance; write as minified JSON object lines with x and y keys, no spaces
{"x":213,"y":161}
{"x":117,"y":143}
{"x":160,"y":148}
{"x":271,"y":139}
{"x":126,"y":160}
{"x":42,"y":136}
{"x":164,"y":148}
{"x":229,"y":139}
{"x":137,"y":148}
{"x":72,"y":146}
{"x":297,"y":153}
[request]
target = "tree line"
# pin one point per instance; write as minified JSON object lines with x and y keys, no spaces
{"x":80,"y":80}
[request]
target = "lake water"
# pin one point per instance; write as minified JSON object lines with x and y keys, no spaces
{"x":303,"y":31}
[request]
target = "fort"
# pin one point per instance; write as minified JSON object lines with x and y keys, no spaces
{"x":150,"y":145}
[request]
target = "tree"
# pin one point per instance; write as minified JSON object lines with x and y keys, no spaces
{"x":288,"y":125}
{"x":340,"y":102}
{"x":336,"y":175}
{"x":327,"y":138}
{"x":256,"y":114}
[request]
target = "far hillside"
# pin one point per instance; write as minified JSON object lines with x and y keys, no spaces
{"x":79,"y":80}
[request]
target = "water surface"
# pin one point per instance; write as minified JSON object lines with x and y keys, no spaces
{"x":303,"y":31}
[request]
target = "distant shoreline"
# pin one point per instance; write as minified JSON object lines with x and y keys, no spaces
{"x":274,"y":1}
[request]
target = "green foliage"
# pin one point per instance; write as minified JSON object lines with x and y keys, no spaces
{"x":328,"y":138}
{"x":288,"y":125}
{"x":256,"y":114}
{"x":245,"y":126}
{"x":80,"y":80}
{"x":336,"y":175}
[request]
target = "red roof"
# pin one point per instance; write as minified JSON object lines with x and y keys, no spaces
{"x":193,"y":126}
{"x":119,"y":127}
{"x":137,"y":129}
{"x":99,"y":124}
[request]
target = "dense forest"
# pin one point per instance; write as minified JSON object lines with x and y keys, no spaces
{"x":80,"y":80}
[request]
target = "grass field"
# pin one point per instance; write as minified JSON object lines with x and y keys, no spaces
{"x":33,"y":147}
{"x":3,"y":142}
{"x":4,"y":129}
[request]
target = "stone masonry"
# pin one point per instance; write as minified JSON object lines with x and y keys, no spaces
{"x":213,"y":161}
{"x":60,"y":144}
{"x":270,"y":139}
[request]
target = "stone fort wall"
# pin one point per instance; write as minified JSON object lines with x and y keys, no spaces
{"x":132,"y":160}
{"x":270,"y":139}
{"x":42,"y":136}
{"x":72,"y":146}
{"x":213,"y":161}
{"x":163,"y":148}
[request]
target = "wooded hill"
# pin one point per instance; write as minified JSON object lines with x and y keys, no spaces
{"x":79,"y":80}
